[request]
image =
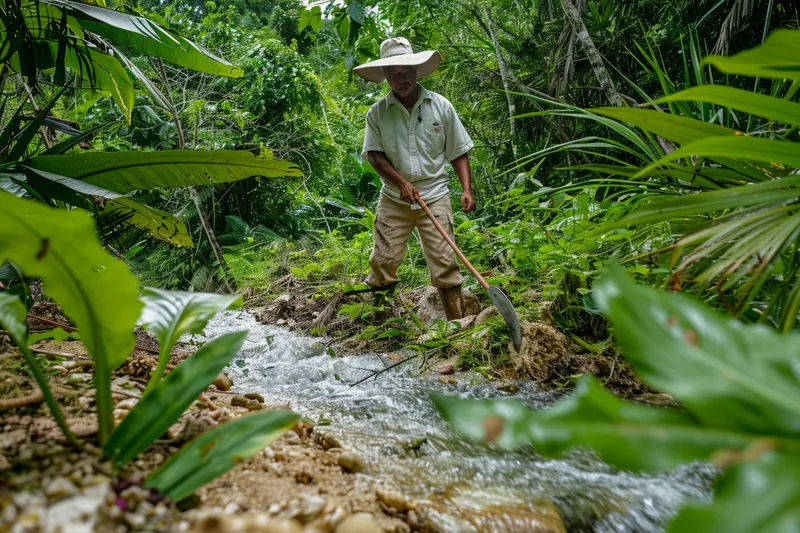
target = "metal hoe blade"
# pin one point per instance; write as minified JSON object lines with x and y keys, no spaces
{"x":503,"y":305}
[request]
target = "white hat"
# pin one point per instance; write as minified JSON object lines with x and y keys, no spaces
{"x":397,"y":52}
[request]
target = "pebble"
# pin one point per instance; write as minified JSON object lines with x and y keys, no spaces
{"x":223,"y":382}
{"x":358,"y":523}
{"x":291,"y":438}
{"x":449,"y":380}
{"x":392,"y":498}
{"x":25,"y":454}
{"x":79,"y":377}
{"x":510,"y":388}
{"x":69,"y":364}
{"x":311,"y":508}
{"x":134,"y":520}
{"x":127,"y":403}
{"x":305,"y":477}
{"x":232,"y":508}
{"x":240,"y":400}
{"x":327,"y":441}
{"x":350,"y":462}
{"x":60,"y":369}
{"x":254,"y":396}
{"x":446,"y":370}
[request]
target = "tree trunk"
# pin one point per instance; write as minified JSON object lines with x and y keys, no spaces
{"x":582,"y":34}
{"x":193,"y":194}
{"x":512,"y":109}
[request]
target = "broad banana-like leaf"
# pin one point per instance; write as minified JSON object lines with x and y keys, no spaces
{"x":93,"y":289}
{"x":12,"y":318}
{"x":170,"y":314}
{"x":764,"y":193}
{"x":730,"y":376}
{"x":166,"y":402}
{"x":676,"y":128}
{"x":777,"y":58}
{"x":760,"y":496}
{"x":217,"y":451}
{"x":124,"y":172}
{"x":159,"y":224}
{"x":761,"y":105}
{"x":147,"y":37}
{"x":779,"y":155}
{"x":97,"y":70}
{"x":628,"y":435}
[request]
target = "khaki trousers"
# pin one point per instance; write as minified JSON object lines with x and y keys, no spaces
{"x":394,"y":223}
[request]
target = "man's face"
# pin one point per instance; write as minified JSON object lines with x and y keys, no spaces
{"x":402,"y":80}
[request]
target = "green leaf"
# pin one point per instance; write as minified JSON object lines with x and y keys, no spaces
{"x":97,"y":70}
{"x":761,"y":105}
{"x":95,"y":290}
{"x":625,"y":434}
{"x":776,"y":155}
{"x":147,"y":37}
{"x":729,"y":376}
{"x":57,"y":334}
{"x":166,"y":402}
{"x":124,"y":172}
{"x":159,"y":224}
{"x":676,"y":128}
{"x":778,"y":58}
{"x":759,"y":496}
{"x":171,"y":314}
{"x":217,"y":451}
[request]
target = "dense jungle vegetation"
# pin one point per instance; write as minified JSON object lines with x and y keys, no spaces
{"x":635,"y":173}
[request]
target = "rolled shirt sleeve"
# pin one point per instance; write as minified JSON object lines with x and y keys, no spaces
{"x":458,"y":142}
{"x":372,"y":136}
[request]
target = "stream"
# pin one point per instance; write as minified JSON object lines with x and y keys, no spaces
{"x":381,"y":417}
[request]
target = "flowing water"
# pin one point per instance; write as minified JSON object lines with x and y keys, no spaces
{"x":383,"y":419}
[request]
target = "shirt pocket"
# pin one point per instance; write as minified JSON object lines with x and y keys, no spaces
{"x":432,"y":137}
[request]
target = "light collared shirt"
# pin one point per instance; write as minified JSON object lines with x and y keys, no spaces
{"x":417,"y":144}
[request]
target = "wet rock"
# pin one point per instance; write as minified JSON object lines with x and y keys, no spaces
{"x":241,"y":401}
{"x":223,"y":382}
{"x":77,"y":379}
{"x":358,"y":523}
{"x":510,"y":388}
{"x":449,"y":380}
{"x":326,"y":441}
{"x":290,"y":437}
{"x":394,"y":499}
{"x":446,"y":370}
{"x":350,"y":462}
{"x":254,"y":396}
{"x":59,"y":488}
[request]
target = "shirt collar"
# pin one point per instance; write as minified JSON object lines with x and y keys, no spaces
{"x":424,"y":94}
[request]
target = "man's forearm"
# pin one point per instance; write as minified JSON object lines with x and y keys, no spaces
{"x":463,"y":171}
{"x":384,"y":168}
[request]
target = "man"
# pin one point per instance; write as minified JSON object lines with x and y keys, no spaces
{"x":410,"y":134}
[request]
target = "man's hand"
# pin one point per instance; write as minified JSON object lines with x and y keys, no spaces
{"x":408,"y":192}
{"x":467,"y":202}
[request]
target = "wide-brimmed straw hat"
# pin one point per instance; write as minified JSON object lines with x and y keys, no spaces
{"x":397,"y":52}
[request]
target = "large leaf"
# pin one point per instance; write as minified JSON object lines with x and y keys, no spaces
{"x":170,"y":314}
{"x":167,"y":401}
{"x":778,"y":57}
{"x":626,"y":434}
{"x":676,"y":128}
{"x":761,"y":105}
{"x":124,"y":172}
{"x":730,"y":376}
{"x":759,"y":496}
{"x":159,"y":224}
{"x":763,"y":194}
{"x":147,"y":37}
{"x":217,"y":451}
{"x":97,"y":70}
{"x":93,"y":289}
{"x":777,"y":155}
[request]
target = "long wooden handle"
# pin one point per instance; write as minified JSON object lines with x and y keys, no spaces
{"x":453,"y":245}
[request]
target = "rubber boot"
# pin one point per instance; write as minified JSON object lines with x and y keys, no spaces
{"x":453,"y":302}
